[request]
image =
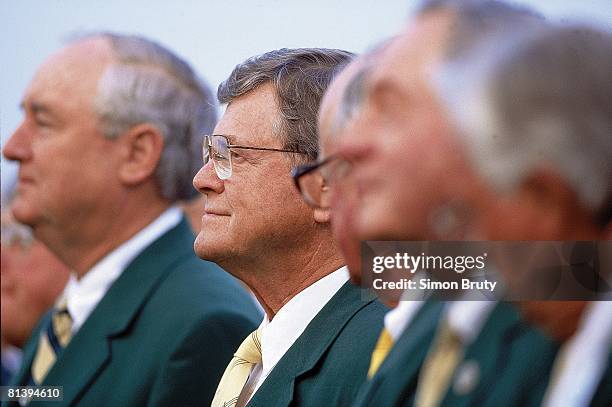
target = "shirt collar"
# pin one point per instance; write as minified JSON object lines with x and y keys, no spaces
{"x":292,"y":319}
{"x":583,"y":358}
{"x":400,"y":317}
{"x":466,"y":318}
{"x":83,"y":295}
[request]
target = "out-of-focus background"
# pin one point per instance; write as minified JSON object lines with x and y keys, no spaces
{"x":213,"y":35}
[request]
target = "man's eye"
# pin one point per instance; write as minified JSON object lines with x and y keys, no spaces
{"x":237,"y":157}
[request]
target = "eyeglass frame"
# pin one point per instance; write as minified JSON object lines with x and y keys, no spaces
{"x":300,"y":170}
{"x":208,"y":147}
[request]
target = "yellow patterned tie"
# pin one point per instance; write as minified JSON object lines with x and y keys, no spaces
{"x":438,"y":368}
{"x":52,"y":341}
{"x":380,"y":352}
{"x":237,"y":372}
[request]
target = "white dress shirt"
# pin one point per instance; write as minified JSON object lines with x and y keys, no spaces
{"x":83,"y":295}
{"x":400,"y":317}
{"x":278,"y":335}
{"x":584,"y":358}
{"x":467,"y":318}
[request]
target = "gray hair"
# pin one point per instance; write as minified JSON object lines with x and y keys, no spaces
{"x":476,"y":21}
{"x":300,"y":77}
{"x":11,"y":231}
{"x":150,"y":84}
{"x":544,"y":101}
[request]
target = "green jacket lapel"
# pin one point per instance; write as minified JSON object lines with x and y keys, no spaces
{"x":310,"y":347}
{"x":90,"y":348}
{"x":396,"y":378}
{"x":499,"y":365}
{"x":486,"y":353}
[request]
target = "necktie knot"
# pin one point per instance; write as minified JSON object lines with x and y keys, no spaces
{"x":52,"y":341}
{"x":238,"y":371}
{"x":250,"y":349}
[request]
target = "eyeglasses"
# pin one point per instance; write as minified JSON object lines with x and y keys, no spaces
{"x":315,"y":179}
{"x":218,"y":148}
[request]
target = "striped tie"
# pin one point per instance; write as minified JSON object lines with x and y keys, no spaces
{"x":237,"y":372}
{"x":52,"y":341}
{"x":380,"y":352}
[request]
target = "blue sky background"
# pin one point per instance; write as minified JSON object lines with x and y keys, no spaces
{"x":213,"y":35}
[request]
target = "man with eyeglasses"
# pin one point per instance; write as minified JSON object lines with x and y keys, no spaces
{"x":407,"y":173}
{"x":312,"y":347}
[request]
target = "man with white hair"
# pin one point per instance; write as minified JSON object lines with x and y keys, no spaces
{"x":110,"y":140}
{"x":541,"y":142}
{"x":401,"y":128}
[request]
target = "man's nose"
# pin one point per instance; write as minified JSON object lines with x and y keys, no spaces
{"x":206,"y":180}
{"x":17,"y":148}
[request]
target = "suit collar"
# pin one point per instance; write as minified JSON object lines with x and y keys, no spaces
{"x":398,"y":373}
{"x":292,"y":319}
{"x":83,"y":295}
{"x":310,"y":347}
{"x":117,"y":310}
{"x":488,"y":351}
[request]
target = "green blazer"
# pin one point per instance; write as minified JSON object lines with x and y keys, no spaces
{"x":395,"y":381}
{"x":161,"y":336}
{"x":330,"y":360}
{"x":508,"y":363}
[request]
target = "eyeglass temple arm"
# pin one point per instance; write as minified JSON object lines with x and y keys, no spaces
{"x":265,"y":149}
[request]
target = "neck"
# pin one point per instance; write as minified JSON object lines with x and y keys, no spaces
{"x":86,"y":243}
{"x":276,"y":278}
{"x":559,"y":319}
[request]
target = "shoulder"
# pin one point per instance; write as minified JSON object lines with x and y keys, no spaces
{"x":194,"y":296}
{"x":193,"y":283}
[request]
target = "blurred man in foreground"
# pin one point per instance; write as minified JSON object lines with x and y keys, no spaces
{"x":109,"y":142}
{"x":542,"y":149}
{"x":400,"y":127}
{"x":313,"y":344}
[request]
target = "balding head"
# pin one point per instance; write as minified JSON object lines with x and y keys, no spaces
{"x":334,"y":123}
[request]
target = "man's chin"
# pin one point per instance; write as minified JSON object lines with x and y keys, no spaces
{"x":23,"y":215}
{"x":207,"y":250}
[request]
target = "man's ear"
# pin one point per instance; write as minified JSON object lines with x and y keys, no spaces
{"x":142,"y":148}
{"x":322,"y":215}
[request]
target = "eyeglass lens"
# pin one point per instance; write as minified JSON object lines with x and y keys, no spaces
{"x":216,"y":146}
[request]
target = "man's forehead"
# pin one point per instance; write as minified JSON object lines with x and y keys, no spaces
{"x":252,"y":116}
{"x":86,"y":58}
